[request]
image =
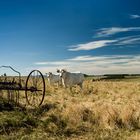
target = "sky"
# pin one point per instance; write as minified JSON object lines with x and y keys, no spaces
{"x":88,"y":36}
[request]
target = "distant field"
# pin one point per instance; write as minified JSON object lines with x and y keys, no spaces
{"x":104,"y":109}
{"x":125,"y":78}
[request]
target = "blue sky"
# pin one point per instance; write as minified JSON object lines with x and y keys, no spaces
{"x":91,"y":36}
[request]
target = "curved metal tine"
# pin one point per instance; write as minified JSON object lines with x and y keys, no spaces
{"x":11,"y":69}
{"x":19,"y":74}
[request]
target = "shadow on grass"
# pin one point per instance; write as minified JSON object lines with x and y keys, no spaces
{"x":6,"y":106}
{"x":39,"y":111}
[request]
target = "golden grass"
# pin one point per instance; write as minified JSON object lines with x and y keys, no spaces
{"x":110,"y":105}
{"x":101,"y":110}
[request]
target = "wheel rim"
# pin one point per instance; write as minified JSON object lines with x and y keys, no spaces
{"x":35,"y":88}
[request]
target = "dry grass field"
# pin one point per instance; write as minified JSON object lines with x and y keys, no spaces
{"x":103,"y":110}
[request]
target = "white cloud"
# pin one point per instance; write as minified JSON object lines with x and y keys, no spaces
{"x":114,"y":30}
{"x":123,"y":41}
{"x":129,"y":40}
{"x":99,"y":58}
{"x":105,"y":32}
{"x":91,"y":45}
{"x":55,"y":63}
{"x":42,"y":63}
{"x":96,"y":64}
{"x":83,"y":58}
{"x":134,"y":16}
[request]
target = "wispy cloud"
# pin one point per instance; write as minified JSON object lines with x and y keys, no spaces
{"x":131,"y":40}
{"x":122,"y":41}
{"x":55,"y":63}
{"x":101,"y":58}
{"x":104,"y":32}
{"x":134,"y":16}
{"x":83,"y":58}
{"x":91,"y":45}
{"x":96,"y":64}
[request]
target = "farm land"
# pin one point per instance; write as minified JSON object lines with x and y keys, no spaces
{"x":104,"y":109}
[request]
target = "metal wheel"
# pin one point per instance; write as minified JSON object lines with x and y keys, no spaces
{"x":35,"y":88}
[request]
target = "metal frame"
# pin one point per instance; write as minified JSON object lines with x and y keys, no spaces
{"x":34,"y":87}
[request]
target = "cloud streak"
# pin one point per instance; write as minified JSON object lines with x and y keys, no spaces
{"x":104,"y":32}
{"x":131,"y":40}
{"x":134,"y":16}
{"x":122,"y":41}
{"x":91,"y":45}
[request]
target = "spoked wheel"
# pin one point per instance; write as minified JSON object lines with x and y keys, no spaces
{"x":35,"y":88}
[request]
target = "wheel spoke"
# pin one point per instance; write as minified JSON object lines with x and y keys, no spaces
{"x":35,"y":88}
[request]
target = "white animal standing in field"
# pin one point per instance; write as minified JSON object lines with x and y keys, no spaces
{"x":52,"y":79}
{"x":71,"y":79}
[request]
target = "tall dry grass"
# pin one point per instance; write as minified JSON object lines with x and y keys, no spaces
{"x":105,"y":104}
{"x":101,"y":110}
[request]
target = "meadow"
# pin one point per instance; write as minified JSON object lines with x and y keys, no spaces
{"x":102,"y":110}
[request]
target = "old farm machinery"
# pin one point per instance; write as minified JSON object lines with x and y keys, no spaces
{"x":33,"y":85}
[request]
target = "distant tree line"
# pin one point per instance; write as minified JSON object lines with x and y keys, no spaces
{"x":115,"y":76}
{"x":111,"y":76}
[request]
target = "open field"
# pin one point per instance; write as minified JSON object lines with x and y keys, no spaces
{"x":108,"y":109}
